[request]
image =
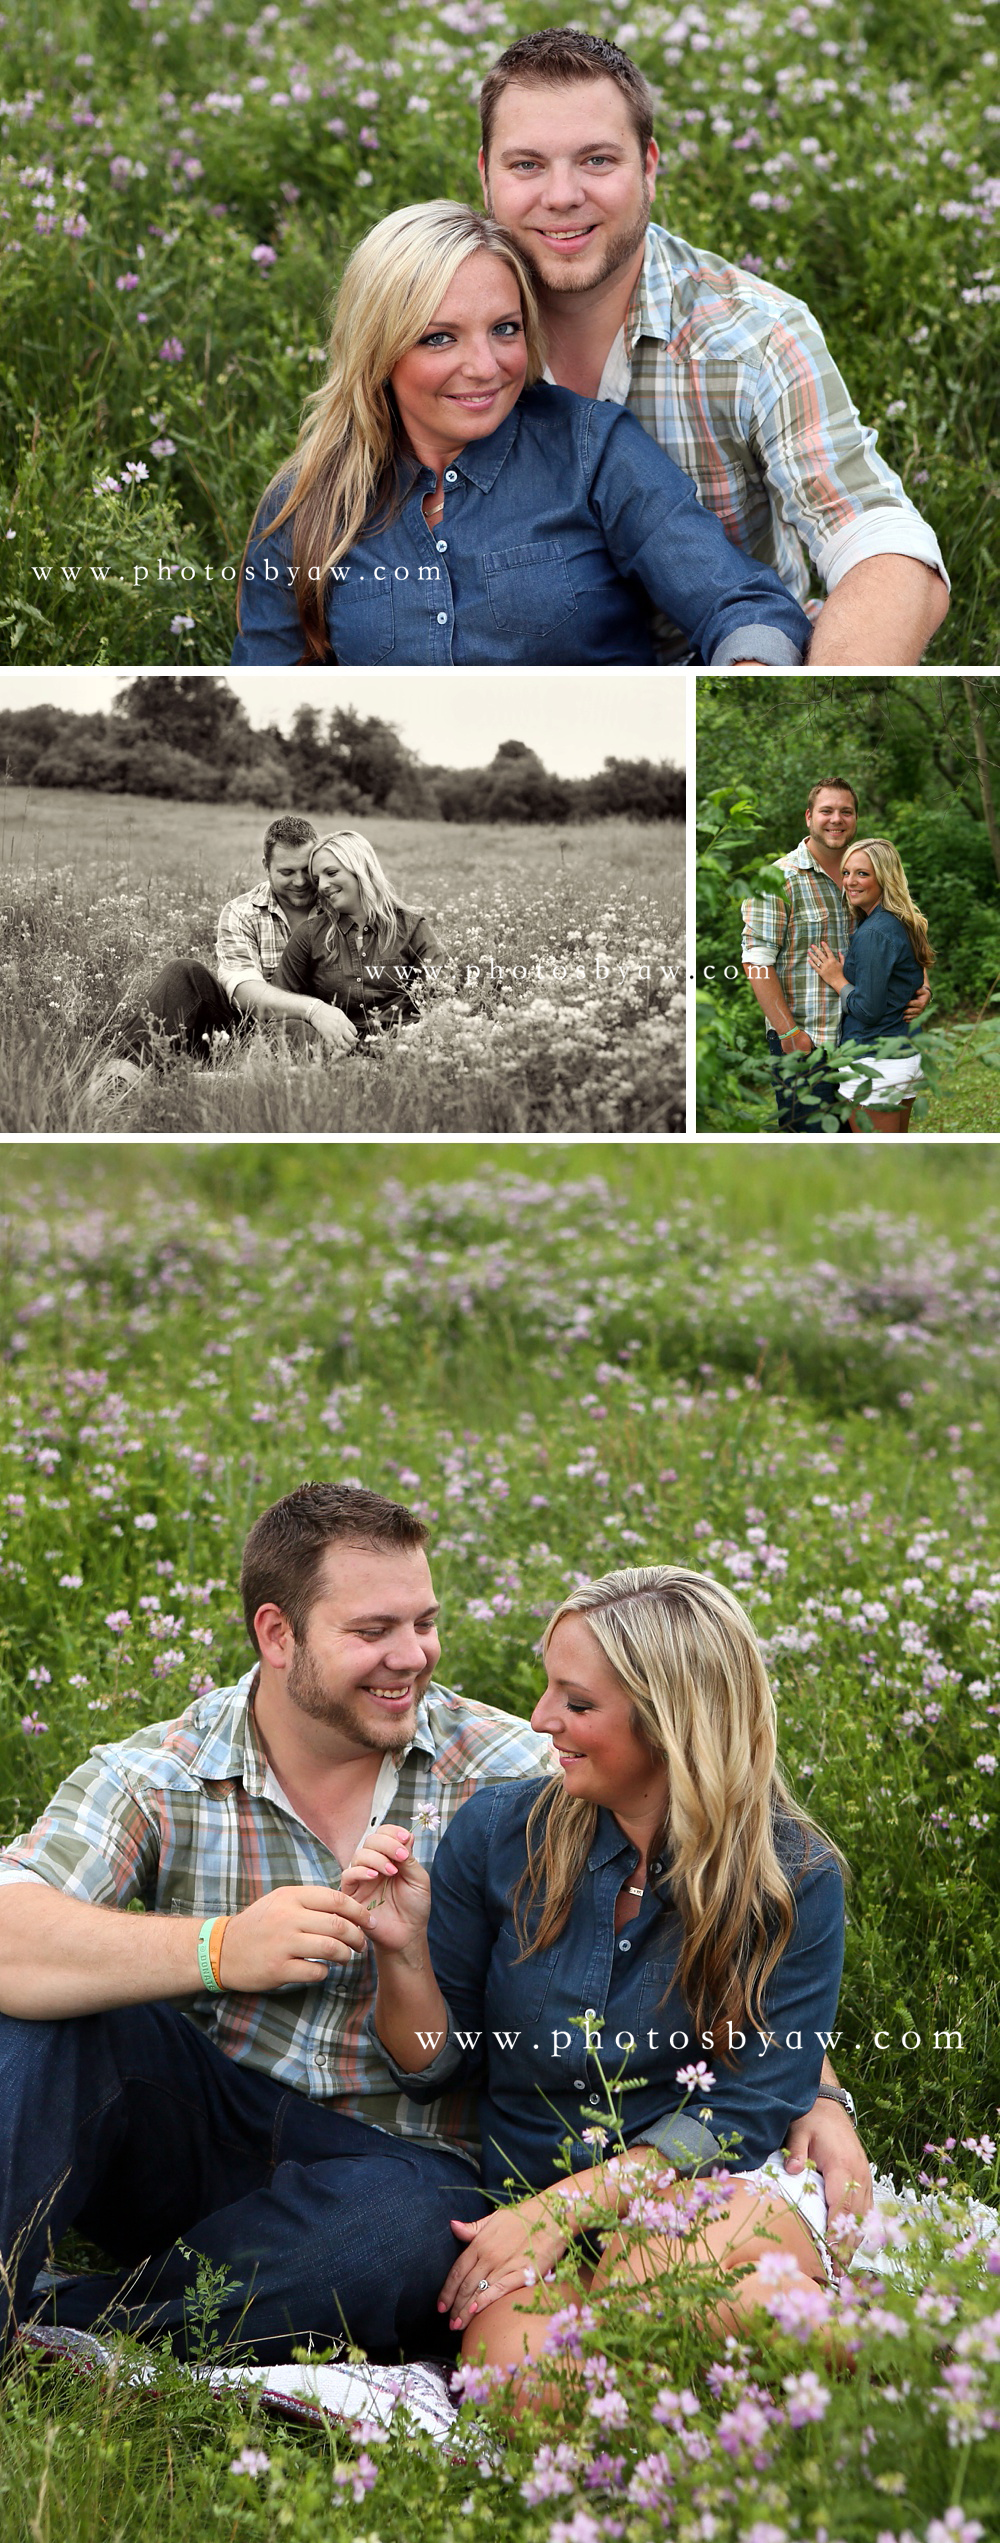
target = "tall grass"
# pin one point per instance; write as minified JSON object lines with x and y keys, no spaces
{"x":561,"y":1009}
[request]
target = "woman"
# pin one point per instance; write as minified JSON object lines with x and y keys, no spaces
{"x":883,"y":968}
{"x":660,"y":1896}
{"x":359,"y":949}
{"x":443,"y":505}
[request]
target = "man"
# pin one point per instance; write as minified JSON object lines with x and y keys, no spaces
{"x":801,"y":1012}
{"x":729,"y":374}
{"x":147,"y":2094}
{"x":187,"y":1005}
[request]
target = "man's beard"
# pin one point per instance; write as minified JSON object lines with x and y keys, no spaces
{"x":617,"y":251}
{"x":306,"y":1689}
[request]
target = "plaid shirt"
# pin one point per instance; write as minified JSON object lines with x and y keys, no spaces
{"x":777,"y":932}
{"x":186,"y":1816}
{"x":252,"y":934}
{"x":734,"y":379}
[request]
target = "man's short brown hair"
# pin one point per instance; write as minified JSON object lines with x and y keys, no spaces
{"x":557,"y":55}
{"x":288,"y":831}
{"x":831,"y":786}
{"x":283,"y":1554}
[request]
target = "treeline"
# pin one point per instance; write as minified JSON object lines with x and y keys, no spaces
{"x":190,"y":739}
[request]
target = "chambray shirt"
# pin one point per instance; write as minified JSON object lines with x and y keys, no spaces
{"x":734,"y":377}
{"x":538,"y":2067}
{"x":187,"y":1817}
{"x":884,"y":975}
{"x":561,"y":531}
{"x":350,"y":973}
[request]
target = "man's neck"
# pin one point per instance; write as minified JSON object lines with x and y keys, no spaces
{"x":580,"y":327}
{"x":328,"y":1780}
{"x":827,"y":858}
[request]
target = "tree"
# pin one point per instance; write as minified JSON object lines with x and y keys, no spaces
{"x":367,"y":755}
{"x":189,"y":713}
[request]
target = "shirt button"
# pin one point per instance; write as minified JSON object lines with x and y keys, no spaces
{"x":594,"y":2100}
{"x":451,"y":476}
{"x":441,"y":546}
{"x":657,"y":1867}
{"x":321,"y":2060}
{"x":442,"y":618}
{"x":579,"y":2083}
{"x":624,"y":1946}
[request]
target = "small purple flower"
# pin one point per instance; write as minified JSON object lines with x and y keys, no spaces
{"x":119,"y":1620}
{"x":251,"y":2460}
{"x":263,"y":256}
{"x":179,"y":625}
{"x":162,"y":449}
{"x":32,"y":1725}
{"x":697,"y":2078}
{"x":171,"y":350}
{"x":127,"y":282}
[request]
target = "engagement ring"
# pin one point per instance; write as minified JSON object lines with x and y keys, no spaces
{"x":482,"y":2287}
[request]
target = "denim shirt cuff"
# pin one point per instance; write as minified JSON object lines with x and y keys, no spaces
{"x":684,"y":2139}
{"x":757,"y":644}
{"x":845,"y":999}
{"x":435,"y":2074}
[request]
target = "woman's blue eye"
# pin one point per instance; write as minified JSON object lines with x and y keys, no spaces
{"x":507,"y":327}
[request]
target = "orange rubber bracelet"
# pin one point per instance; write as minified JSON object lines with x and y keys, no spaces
{"x":215,"y":1947}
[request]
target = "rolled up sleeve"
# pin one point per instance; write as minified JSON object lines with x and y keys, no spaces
{"x":237,"y":947}
{"x":765,"y":925}
{"x":821,"y":463}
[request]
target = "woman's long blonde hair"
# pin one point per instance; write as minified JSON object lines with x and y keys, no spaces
{"x":887,"y":867}
{"x":382,"y":911}
{"x":688,"y":1657}
{"x":345,"y":466}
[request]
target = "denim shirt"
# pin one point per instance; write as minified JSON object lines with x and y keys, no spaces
{"x":539,"y":2071}
{"x":561,"y":531}
{"x":884,"y":974}
{"x":372,"y":988}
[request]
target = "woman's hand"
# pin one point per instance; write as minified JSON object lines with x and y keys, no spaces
{"x":391,"y":1891}
{"x":512,"y":2249}
{"x":828,"y":965}
{"x":332,"y":1025}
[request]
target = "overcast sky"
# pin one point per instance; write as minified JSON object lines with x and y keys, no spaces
{"x":573,"y":719}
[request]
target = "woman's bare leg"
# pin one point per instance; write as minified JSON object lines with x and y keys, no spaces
{"x":507,"y":2332}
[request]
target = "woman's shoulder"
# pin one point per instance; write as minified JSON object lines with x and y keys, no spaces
{"x":803,"y":1852}
{"x":497,"y":1811}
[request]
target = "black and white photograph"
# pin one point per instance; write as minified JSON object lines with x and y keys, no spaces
{"x":257,"y":903}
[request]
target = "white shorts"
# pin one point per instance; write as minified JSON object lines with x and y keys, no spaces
{"x":802,"y":2190}
{"x":894,"y":1082}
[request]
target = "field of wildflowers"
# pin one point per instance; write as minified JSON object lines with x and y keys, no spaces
{"x":179,"y":188}
{"x":568,"y":1358}
{"x":561,"y":1004}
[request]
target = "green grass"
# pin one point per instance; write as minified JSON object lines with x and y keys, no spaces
{"x":845,"y":155}
{"x":794,"y":1374}
{"x":562,"y":1004}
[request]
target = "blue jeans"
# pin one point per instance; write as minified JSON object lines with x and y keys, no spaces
{"x":137,"y":2130}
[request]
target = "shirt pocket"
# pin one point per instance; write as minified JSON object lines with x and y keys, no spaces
{"x":361,"y":618}
{"x":529,"y":589}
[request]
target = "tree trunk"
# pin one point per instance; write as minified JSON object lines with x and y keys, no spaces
{"x":983,"y":766}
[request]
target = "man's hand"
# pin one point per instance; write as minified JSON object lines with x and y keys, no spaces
{"x":332,"y":1025}
{"x":290,"y":1938}
{"x":797,"y":1041}
{"x":917,"y":1004}
{"x":512,"y":2249}
{"x":826,"y":2138}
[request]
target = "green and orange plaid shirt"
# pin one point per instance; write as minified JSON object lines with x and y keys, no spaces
{"x":186,"y":1818}
{"x":778,"y":930}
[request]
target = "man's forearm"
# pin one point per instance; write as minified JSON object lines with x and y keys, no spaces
{"x":257,"y":996}
{"x":883,"y":611}
{"x":771,"y":998}
{"x":59,"y":1957}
